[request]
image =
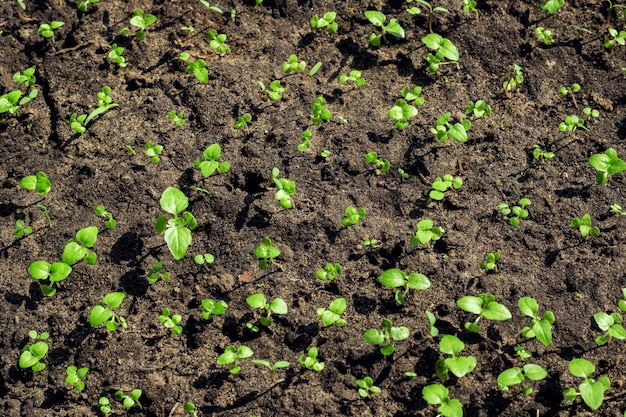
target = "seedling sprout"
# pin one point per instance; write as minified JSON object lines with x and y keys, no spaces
{"x":591,"y":390}
{"x":232,"y":355}
{"x":326,"y":21}
{"x":352,"y":216}
{"x":385,"y":337}
{"x":484,"y":305}
{"x":103,"y":312}
{"x":171,"y":321}
{"x":540,"y":326}
{"x":395,"y":278}
{"x":516,"y":212}
{"x":366,"y":387}
{"x":272,"y":367}
{"x":265,"y":251}
{"x":607,"y":164}
{"x":458,"y":365}
{"x":75,"y":377}
{"x":209,"y":164}
{"x":130,"y":400}
{"x":437,"y":394}
{"x":378,"y":19}
{"x":611,"y":325}
{"x":284,"y":189}
{"x":177,"y":230}
{"x":310,"y":361}
{"x":515,"y":375}
{"x":584,"y":226}
{"x":332,"y":315}
{"x":38,"y":182}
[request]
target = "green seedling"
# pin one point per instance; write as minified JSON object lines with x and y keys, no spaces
{"x":611,"y":325}
{"x":75,"y":377}
{"x":45,"y":214}
{"x":382,"y":164}
{"x":27,"y":77}
{"x":332,"y":315}
{"x":79,"y":249}
{"x":619,"y":213}
{"x":208,"y":7}
{"x":105,"y":406}
{"x":242,"y":121}
{"x":306,"y":140}
{"x":540,"y":326}
{"x":209,"y":164}
{"x":516,"y":212}
{"x":177,"y":117}
{"x":275,"y":92}
{"x":83,"y":5}
{"x":395,"y":278}
{"x":352,"y":216}
{"x":516,"y":78}
{"x":591,"y":113}
{"x":47,"y":30}
{"x":484,"y":305}
{"x":153,"y":150}
{"x":571,"y":123}
{"x":189,"y":30}
{"x":354,"y":76}
{"x":32,"y":354}
{"x":198,"y":68}
{"x":217,"y":42}
{"x":103,"y":312}
{"x":414,"y":95}
{"x":366,"y":387}
{"x":130,"y":400}
{"x":584,"y":226}
{"x":284,"y":189}
{"x":310,"y":361}
{"x":544,"y":35}
{"x":515,"y":375}
{"x":329,"y":272}
{"x":616,"y":37}
{"x":101,"y":212}
{"x":378,"y":19}
{"x":315,"y":68}
{"x":190,"y":408}
{"x":212,"y":308}
{"x":480,"y":108}
{"x":325,"y":153}
{"x":272,"y":367}
{"x":437,"y":394}
{"x":458,"y":365}
{"x":522,"y":352}
{"x":552,"y":6}
{"x":446,"y":130}
{"x":38,"y":182}
{"x":326,"y":21}
{"x":469,"y":6}
{"x":441,"y":185}
{"x":54,"y":273}
{"x":607,"y":164}
{"x":204,"y":259}
{"x":11,"y":102}
{"x":571,"y":90}
{"x":177,"y":230}
{"x":232,"y":355}
{"x":293,"y":66}
{"x":386,"y":337}
{"x":258,"y":301}
{"x":540,"y":154}
{"x":319,"y":111}
{"x":621,"y":304}
{"x":431,"y":11}
{"x":156,"y":273}
{"x":21,"y":229}
{"x":105,"y":103}
{"x":402,"y":112}
{"x":171,"y":321}
{"x":141,"y":21}
{"x":372,"y":243}
{"x":445,"y":52}
{"x":491,"y":262}
{"x":403,"y":175}
{"x":431,"y":324}
{"x":591,"y":391}
{"x":265,"y":251}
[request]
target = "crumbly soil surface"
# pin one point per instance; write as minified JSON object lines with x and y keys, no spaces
{"x":543,"y":258}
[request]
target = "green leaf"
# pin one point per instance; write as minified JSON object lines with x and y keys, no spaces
{"x":98,"y":315}
{"x":528,"y":306}
{"x":87,"y":236}
{"x":278,"y":306}
{"x":73,"y":253}
{"x":435,"y":394}
{"x":174,"y":202}
{"x":592,"y":393}
{"x":400,"y":333}
{"x":471,"y":304}
{"x":393,"y":278}
{"x":496,"y":311}
{"x":534,"y":372}
{"x":394,"y":29}
{"x":418,"y":282}
{"x":256,"y":301}
{"x":374,"y":337}
{"x":511,"y":376}
{"x":375,"y":17}
{"x":450,"y":345}
{"x":178,"y":240}
{"x":581,"y":368}
{"x":461,"y":366}
{"x":39,"y":269}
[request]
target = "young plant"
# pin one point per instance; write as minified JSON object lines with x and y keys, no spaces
{"x":480,"y":108}
{"x":366,"y":387}
{"x":540,"y":326}
{"x":204,"y":259}
{"x":540,"y":154}
{"x":403,"y":175}
{"x":213,"y":308}
{"x":32,"y":354}
{"x":130,"y":400}
{"x":197,"y":68}
{"x":141,"y":21}
{"x":437,"y":394}
{"x":446,"y":130}
{"x":434,"y":331}
{"x":277,"y":306}
{"x":177,"y":117}
{"x":326,"y":21}
{"x":101,"y":212}
{"x":38,"y":182}
{"x":208,"y":7}
{"x":54,"y":273}
{"x":190,"y":408}
{"x":105,"y":406}
{"x":552,"y":6}
{"x":516,"y":78}
{"x":284,"y":189}
{"x":382,"y":164}
{"x":75,"y":251}
{"x":544,"y":35}
{"x":103,"y":312}
{"x":171,"y":321}
{"x":402,"y":112}
{"x":484,"y":305}
{"x":458,"y":365}
{"x":209,"y":164}
{"x":272,"y":367}
{"x":515,"y":375}
{"x":332,"y":315}
{"x":329,"y":272}
{"x":116,"y":54}
{"x":177,"y":230}
{"x":571,"y":90}
{"x":232,"y":355}
{"x":242,"y":121}
{"x":217,"y":42}
{"x":105,"y":103}
{"x":47,"y":30}
{"x":469,"y":6}
{"x":275,"y":92}
{"x":45,"y":214}
{"x":354,"y":76}
{"x":320,"y":112}
{"x":441,"y":185}
{"x":378,"y":19}
{"x":155,"y":273}
{"x":293,"y":66}
{"x":266,"y":251}
{"x":11,"y":102}
{"x":395,"y":278}
{"x":153,"y":150}
{"x":584,"y":226}
{"x":518,"y":212}
{"x":386,"y":337}
{"x":611,"y":325}
{"x":591,"y":391}
{"x":571,"y":123}
{"x":352,"y":216}
{"x":616,"y":37}
{"x":82,"y":6}
{"x":372,"y":243}
{"x":75,"y":377}
{"x":445,"y":52}
{"x":306,"y":140}
{"x":619,"y":213}
{"x":607,"y":164}
{"x":21,"y":229}
{"x":310,"y":361}
{"x":491,"y":262}
{"x":431,"y":11}
{"x":591,"y":113}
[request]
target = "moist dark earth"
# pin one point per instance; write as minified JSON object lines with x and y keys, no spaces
{"x":543,"y":258}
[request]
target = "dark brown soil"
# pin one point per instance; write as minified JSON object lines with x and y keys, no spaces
{"x":543,"y":258}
